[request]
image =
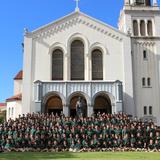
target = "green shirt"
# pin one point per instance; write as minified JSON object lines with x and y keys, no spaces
{"x":7,"y":146}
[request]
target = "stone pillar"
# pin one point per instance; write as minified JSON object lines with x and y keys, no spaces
{"x":65,"y":68}
{"x":146,"y":28}
{"x":66,"y":110}
{"x":38,"y":107}
{"x":90,"y":110}
{"x":139,"y":33}
{"x":38,"y":96}
{"x":119,"y":107}
{"x":114,"y":108}
{"x":86,"y":67}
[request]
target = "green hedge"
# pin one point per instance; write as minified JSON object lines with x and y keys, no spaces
{"x":1,"y":119}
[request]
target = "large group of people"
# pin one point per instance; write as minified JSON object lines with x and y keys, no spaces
{"x":101,"y":132}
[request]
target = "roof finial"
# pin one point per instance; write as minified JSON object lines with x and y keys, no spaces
{"x":77,"y":5}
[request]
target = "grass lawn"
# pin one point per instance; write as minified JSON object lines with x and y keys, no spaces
{"x":81,"y":156}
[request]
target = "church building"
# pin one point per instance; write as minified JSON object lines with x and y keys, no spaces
{"x":112,"y":70}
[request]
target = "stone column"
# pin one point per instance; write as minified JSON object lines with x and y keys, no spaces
{"x":65,"y":68}
{"x":146,"y":28}
{"x":90,"y":110}
{"x":153,"y":27}
{"x":38,"y":107}
{"x":86,"y":67}
{"x":66,"y":110}
{"x":139,"y":33}
{"x":38,"y":96}
{"x":117,"y":108}
{"x":114,"y":108}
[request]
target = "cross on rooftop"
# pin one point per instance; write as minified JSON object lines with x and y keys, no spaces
{"x":77,"y":5}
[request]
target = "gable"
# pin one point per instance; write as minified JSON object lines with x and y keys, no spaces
{"x":74,"y":19}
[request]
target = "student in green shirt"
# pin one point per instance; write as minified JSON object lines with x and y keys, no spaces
{"x":72,"y":146}
{"x":115,"y":144}
{"x":32,"y":131}
{"x":8,"y":146}
{"x":2,"y":141}
{"x":125,"y":140}
{"x":92,"y":145}
{"x":157,"y":145}
{"x":84,"y":144}
{"x":151,"y":145}
{"x":70,"y":139}
{"x":132,"y":140}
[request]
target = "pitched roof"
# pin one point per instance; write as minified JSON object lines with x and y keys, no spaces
{"x":17,"y":97}
{"x":2,"y":104}
{"x":19,"y":75}
{"x":74,"y":14}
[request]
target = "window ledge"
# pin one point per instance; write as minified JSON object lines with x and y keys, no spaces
{"x":146,"y":87}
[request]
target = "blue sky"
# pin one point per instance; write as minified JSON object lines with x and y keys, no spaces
{"x":15,"y":15}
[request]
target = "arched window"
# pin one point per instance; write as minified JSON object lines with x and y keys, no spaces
{"x":143,"y":82}
{"x":149,"y":28}
{"x":144,"y":54}
{"x":57,"y":65}
{"x":9,"y":112}
{"x":142,"y":28}
{"x":12,"y":111}
{"x":97,"y":65}
{"x":145,"y":110}
{"x":135,"y":28}
{"x":150,"y":110}
{"x":149,"y":82}
{"x":77,"y":60}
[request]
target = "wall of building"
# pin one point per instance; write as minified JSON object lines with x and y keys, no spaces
{"x":113,"y":59}
{"x":14,"y":109}
{"x":17,"y":87}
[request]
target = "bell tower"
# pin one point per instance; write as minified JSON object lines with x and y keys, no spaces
{"x":140,"y":20}
{"x":138,"y":14}
{"x":141,"y":2}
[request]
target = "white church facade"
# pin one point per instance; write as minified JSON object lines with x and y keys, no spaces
{"x":112,"y":70}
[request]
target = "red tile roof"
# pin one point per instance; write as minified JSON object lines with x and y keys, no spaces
{"x":2,"y":104}
{"x":14,"y":98}
{"x":19,"y":75}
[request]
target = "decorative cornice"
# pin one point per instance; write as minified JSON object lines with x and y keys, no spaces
{"x":71,"y":21}
{"x":147,"y":43}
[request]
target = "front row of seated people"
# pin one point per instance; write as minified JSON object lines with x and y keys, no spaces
{"x":101,"y":132}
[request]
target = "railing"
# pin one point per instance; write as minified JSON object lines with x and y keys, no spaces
{"x":66,"y":88}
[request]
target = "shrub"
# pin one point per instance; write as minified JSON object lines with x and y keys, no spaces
{"x":1,"y":119}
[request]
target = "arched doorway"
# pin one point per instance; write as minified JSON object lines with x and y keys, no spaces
{"x":73,"y":103}
{"x":102,"y":104}
{"x":54,"y":105}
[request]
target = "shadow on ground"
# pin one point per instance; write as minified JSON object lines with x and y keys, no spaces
{"x":36,"y":156}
